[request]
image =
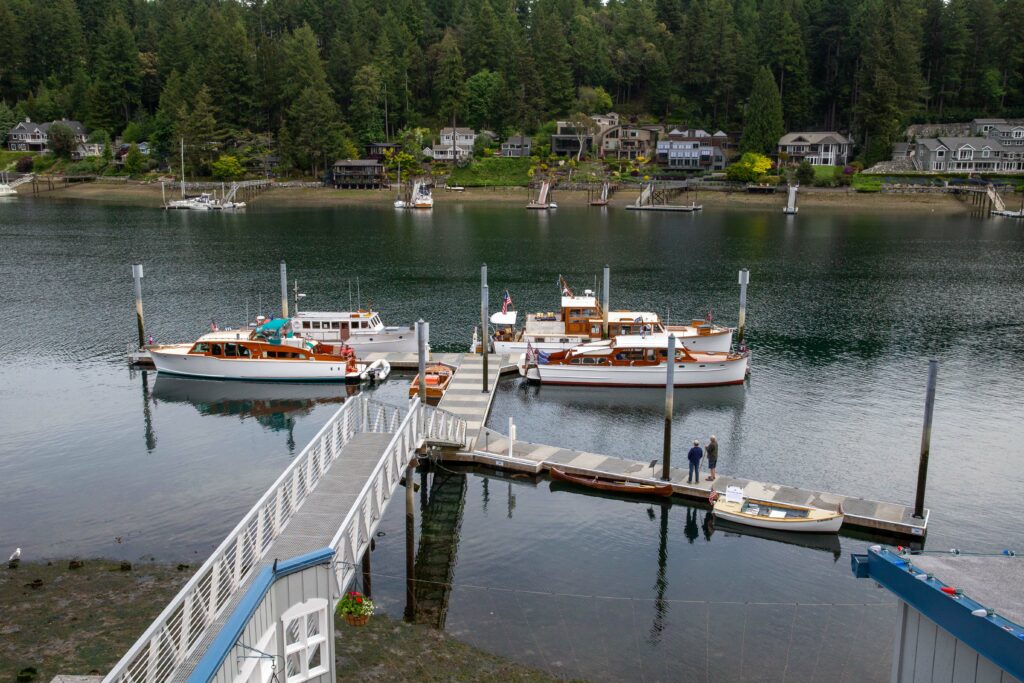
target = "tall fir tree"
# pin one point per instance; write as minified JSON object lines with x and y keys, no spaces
{"x":118,"y":74}
{"x":763,"y":125}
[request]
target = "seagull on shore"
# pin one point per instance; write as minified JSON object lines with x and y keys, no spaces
{"x":16,"y":555}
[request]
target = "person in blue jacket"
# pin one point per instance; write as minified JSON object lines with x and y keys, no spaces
{"x":694,"y":456}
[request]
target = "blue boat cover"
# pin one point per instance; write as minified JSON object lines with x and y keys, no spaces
{"x":272,"y":327}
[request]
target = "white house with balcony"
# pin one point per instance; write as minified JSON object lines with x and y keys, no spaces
{"x":818,"y":149}
{"x":454,"y":143}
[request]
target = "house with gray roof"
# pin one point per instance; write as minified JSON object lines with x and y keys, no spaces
{"x":967,"y":155}
{"x":454,"y":144}
{"x":27,"y":136}
{"x":827,"y":148}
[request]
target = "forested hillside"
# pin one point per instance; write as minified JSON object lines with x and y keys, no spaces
{"x":323,"y":75}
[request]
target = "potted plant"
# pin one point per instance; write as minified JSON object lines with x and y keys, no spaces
{"x":355,"y":608}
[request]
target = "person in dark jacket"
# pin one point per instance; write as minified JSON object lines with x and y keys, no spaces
{"x":694,"y":456}
{"x":712,"y":452}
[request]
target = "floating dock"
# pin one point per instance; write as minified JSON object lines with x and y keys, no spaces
{"x":685,"y":208}
{"x":873,"y":516}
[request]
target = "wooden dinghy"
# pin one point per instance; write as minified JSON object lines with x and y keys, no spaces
{"x":614,"y":485}
{"x":763,"y":514}
{"x":438,"y":377}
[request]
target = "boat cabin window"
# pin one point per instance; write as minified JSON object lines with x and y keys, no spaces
{"x":595,"y":329}
{"x":305,"y":324}
{"x":230,"y":350}
{"x":316,"y":324}
{"x":335,"y":325}
{"x":201,"y":347}
{"x":215,"y":350}
{"x":576,"y":361}
{"x":243,"y":352}
{"x":344,"y":325}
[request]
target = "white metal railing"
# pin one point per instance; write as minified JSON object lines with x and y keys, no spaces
{"x":356,"y":530}
{"x":441,"y":428}
{"x":159,"y":652}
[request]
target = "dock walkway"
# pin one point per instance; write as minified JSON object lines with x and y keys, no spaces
{"x":311,"y":527}
{"x":465,"y":397}
{"x":871,"y":515}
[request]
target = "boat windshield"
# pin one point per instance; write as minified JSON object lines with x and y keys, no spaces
{"x":278,"y":327}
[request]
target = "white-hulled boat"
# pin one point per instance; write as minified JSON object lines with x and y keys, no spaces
{"x":421,"y":197}
{"x":581,"y":320}
{"x":362,"y":330}
{"x":764,"y":514}
{"x":271,"y":352}
{"x":633,"y":361}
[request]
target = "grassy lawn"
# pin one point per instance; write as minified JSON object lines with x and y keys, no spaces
{"x":826,"y":172}
{"x":9,"y":158}
{"x":867,"y":183}
{"x":492,"y":172}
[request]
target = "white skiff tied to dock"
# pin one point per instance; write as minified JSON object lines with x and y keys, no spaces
{"x":737,"y":508}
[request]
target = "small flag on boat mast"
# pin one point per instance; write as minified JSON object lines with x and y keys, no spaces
{"x":708,"y":316}
{"x":506,"y":301}
{"x":566,"y":291}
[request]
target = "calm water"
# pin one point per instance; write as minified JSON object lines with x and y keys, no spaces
{"x":844,"y":311}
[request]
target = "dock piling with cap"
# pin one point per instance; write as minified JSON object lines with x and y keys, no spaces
{"x":744,"y":280}
{"x":137,"y":277}
{"x":926,"y":439}
{"x":670,"y":388}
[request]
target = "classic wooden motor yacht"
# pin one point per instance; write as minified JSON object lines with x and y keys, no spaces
{"x":581,"y":320}
{"x":271,"y":352}
{"x":633,"y":361}
{"x":764,"y":514}
{"x":362,"y":330}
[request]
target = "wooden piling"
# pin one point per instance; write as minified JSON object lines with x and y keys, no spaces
{"x":744,"y":280}
{"x":926,"y":438}
{"x":670,"y":386}
{"x":137,"y":277}
{"x":484,"y":337}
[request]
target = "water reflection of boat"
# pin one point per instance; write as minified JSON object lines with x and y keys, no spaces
{"x":270,"y":404}
{"x":566,"y":487}
{"x":826,"y":542}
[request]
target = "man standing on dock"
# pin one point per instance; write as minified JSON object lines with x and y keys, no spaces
{"x":694,"y":456}
{"x":712,"y":451}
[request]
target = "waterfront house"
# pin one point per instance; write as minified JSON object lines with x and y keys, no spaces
{"x":693,"y":150}
{"x":981,"y":127}
{"x":629,"y":141}
{"x":357,"y":174}
{"x":376,"y":150}
{"x":828,"y":148}
{"x":516,"y":146}
{"x":967,"y":155}
{"x":27,"y":136}
{"x":566,"y":142}
{"x":454,"y":144}
{"x":1006,"y":134}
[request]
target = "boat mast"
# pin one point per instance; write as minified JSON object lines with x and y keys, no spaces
{"x":182,"y":168}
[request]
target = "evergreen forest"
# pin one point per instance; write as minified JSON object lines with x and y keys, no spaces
{"x":319,"y":78}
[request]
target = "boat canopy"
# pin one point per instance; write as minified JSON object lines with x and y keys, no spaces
{"x":504,"y":319}
{"x":273,"y":327}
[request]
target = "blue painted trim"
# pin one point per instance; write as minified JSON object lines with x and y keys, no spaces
{"x":229,"y":634}
{"x":995,"y":638}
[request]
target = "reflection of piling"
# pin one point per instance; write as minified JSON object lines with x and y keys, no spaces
{"x":744,"y":280}
{"x":438,"y":547}
{"x":410,"y":544}
{"x":670,"y":375}
{"x":137,"y":276}
{"x":284,"y":290}
{"x":926,"y":438}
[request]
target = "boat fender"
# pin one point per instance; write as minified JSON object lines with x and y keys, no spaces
{"x":712,"y":497}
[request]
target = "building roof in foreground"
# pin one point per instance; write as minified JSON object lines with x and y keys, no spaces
{"x":978,"y":599}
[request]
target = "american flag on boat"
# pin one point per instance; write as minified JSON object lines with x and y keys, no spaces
{"x":566,"y":291}
{"x":708,"y":316}
{"x":535,"y":356}
{"x":506,"y":301}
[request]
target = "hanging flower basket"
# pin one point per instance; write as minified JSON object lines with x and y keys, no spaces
{"x":355,"y":608}
{"x":357,"y":620}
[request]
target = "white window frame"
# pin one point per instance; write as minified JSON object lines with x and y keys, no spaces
{"x":940,"y":153}
{"x":306,"y":643}
{"x":939,"y":166}
{"x":258,"y":667}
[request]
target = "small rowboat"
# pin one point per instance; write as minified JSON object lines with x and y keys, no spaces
{"x":438,"y":377}
{"x":614,"y":485}
{"x":764,"y":514}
